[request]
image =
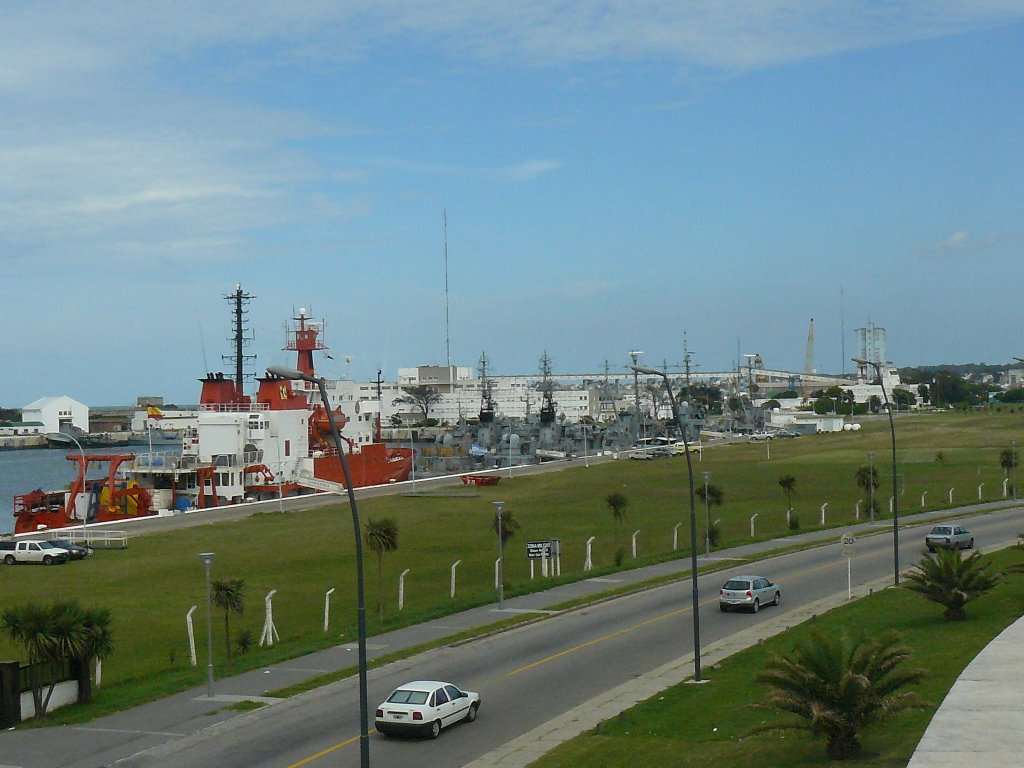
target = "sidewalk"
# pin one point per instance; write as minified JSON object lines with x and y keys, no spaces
{"x":109,"y":739}
{"x":981,"y":721}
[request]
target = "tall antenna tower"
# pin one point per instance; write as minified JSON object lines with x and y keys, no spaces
{"x":242,"y":335}
{"x":809,"y":356}
{"x":447,"y":336}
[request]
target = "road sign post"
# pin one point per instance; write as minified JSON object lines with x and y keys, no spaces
{"x":848,"y":540}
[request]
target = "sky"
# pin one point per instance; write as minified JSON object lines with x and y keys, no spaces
{"x":614,"y":177}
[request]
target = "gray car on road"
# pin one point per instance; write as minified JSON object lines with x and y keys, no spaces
{"x":949,"y":537}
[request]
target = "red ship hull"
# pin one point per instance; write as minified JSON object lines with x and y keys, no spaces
{"x":375,"y":464}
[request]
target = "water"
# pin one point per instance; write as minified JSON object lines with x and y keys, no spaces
{"x":25,"y":470}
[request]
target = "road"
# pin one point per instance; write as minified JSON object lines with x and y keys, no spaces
{"x":528,"y":675}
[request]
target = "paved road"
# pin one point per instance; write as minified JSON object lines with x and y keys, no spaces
{"x":529,"y":677}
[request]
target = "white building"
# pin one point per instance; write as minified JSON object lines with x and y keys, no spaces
{"x":56,"y":412}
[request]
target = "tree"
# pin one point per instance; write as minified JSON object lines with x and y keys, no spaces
{"x":1007,"y":460}
{"x":227,"y":594}
{"x":951,"y":581}
{"x":875,"y":403}
{"x":714,"y":497}
{"x":381,"y":536}
{"x":923,"y":392}
{"x":837,"y":686}
{"x":422,"y":398}
{"x":903,"y":398}
{"x":867,"y":480}
{"x":505,"y":526}
{"x":788,"y":485}
{"x":617,"y":503}
{"x":98,"y":644}
{"x":29,"y":626}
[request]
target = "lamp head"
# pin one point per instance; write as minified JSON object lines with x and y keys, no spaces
{"x":289,"y":373}
{"x":646,"y":371}
{"x":499,"y":507}
{"x":206,"y":557}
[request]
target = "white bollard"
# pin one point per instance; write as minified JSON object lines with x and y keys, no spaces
{"x":497,"y":567}
{"x":269,"y":630}
{"x":788,"y":513}
{"x":454,"y":566}
{"x":823,"y":512}
{"x":856,"y":510}
{"x":890,"y":504}
{"x":635,"y":534}
{"x":401,"y":589}
{"x":980,"y":486}
{"x":951,"y":495}
{"x":99,"y":672}
{"x":923,"y":494}
{"x":752,"y":518}
{"x":191,"y":636}
{"x":327,"y":608}
{"x":1006,"y":482}
{"x":588,"y":564}
{"x":675,"y":536}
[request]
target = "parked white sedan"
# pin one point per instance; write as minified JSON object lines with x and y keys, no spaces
{"x":425,"y":706}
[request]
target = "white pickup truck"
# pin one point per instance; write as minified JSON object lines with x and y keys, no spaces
{"x":32,"y":551}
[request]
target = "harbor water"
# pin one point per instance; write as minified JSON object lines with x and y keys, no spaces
{"x":25,"y":470}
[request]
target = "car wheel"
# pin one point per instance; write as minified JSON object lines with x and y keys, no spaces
{"x":9,"y":559}
{"x":471,"y":716}
{"x":778,"y":599}
{"x":435,"y":729}
{"x":723,"y":608}
{"x":970,"y":544}
{"x":932,"y":550}
{"x":756,"y":606}
{"x":47,"y":560}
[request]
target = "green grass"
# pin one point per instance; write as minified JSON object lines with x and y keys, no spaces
{"x":150,"y":586}
{"x":701,"y":725}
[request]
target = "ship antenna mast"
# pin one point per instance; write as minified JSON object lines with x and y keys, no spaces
{"x":447,"y":334}
{"x":242,"y":334}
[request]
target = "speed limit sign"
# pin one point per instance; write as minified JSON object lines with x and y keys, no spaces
{"x":847,"y":540}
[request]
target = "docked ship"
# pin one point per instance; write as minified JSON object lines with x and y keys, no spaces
{"x":242,"y":448}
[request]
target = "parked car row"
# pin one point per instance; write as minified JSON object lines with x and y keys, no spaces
{"x":41,"y":551}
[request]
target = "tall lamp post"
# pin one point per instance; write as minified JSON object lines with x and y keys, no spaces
{"x":693,"y":518}
{"x":707,"y":517}
{"x":499,"y":509}
{"x":364,"y":722}
{"x":207,"y":558}
{"x":895,"y":497}
{"x":81,"y":452}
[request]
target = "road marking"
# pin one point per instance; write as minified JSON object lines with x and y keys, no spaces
{"x":328,"y":751}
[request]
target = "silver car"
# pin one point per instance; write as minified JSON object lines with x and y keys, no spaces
{"x":749,"y":592}
{"x":949,"y":537}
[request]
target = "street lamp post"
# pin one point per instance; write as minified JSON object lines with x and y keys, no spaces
{"x":364,"y":723}
{"x":707,"y":517}
{"x":1013,"y":467}
{"x":499,"y":509}
{"x":895,"y":498}
{"x":207,"y":558}
{"x":693,"y":518}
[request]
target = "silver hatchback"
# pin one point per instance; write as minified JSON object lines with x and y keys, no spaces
{"x":749,"y":592}
{"x":949,"y":537}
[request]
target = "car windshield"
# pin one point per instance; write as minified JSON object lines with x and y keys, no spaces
{"x":408,"y":697}
{"x":48,"y":545}
{"x":737,"y":584}
{"x":942,"y":530}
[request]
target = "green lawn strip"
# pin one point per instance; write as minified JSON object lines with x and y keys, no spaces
{"x":708,"y":724}
{"x":150,"y":586}
{"x":454,"y":639}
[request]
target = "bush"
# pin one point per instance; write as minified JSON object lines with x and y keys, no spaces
{"x":244,"y":640}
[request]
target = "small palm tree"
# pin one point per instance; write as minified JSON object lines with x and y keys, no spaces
{"x":98,"y":644}
{"x":505,"y":526}
{"x":951,"y":581}
{"x":617,"y":503}
{"x":867,"y":480}
{"x":227,"y":594}
{"x":381,"y":536}
{"x":711,"y":495}
{"x":28,"y":625}
{"x":836,"y":686}
{"x":788,"y":485}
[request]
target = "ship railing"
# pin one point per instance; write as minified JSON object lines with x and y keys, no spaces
{"x":156,"y":460}
{"x":234,"y":407}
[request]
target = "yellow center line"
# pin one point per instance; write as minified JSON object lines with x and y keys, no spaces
{"x":327,"y":751}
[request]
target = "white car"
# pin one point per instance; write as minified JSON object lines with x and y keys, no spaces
{"x":949,"y":537}
{"x":749,"y":592}
{"x":425,"y":706}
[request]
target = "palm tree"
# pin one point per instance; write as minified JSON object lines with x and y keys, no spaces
{"x":66,"y":639}
{"x":711,"y":495}
{"x":788,"y":485}
{"x":28,"y":625}
{"x":617,"y":503}
{"x":951,"y":581}
{"x":837,"y":686}
{"x":505,"y":526}
{"x":867,"y":480}
{"x":227,"y":594}
{"x":1007,"y":460}
{"x":381,"y":536}
{"x":422,"y":398}
{"x":98,"y":644}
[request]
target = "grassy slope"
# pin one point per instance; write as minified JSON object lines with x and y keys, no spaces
{"x":151,"y":585}
{"x":704,"y":725}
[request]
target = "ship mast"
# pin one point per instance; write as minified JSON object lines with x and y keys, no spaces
{"x":486,"y":392}
{"x":242,"y":335}
{"x":547,"y":408}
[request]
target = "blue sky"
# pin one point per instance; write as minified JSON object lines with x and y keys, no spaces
{"x":614,"y":175}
